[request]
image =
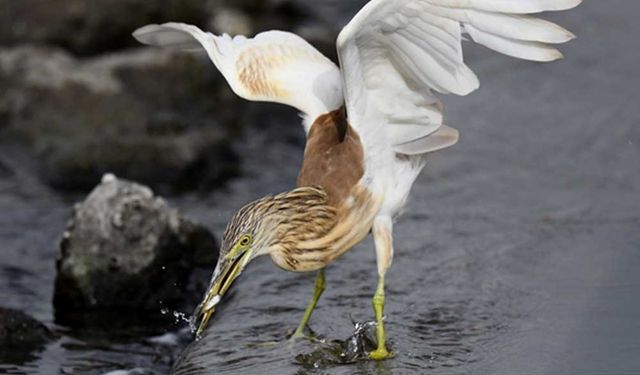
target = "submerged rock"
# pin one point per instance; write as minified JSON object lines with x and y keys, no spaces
{"x":20,"y":336}
{"x":150,"y":115}
{"x":126,"y":250}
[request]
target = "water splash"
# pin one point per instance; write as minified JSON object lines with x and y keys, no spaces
{"x":359,"y":344}
{"x":338,"y":352}
{"x":178,"y":317}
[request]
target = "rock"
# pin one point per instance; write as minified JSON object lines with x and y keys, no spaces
{"x":91,"y":27}
{"x":88,"y":27}
{"x":151,"y":115}
{"x":20,"y":336}
{"x":126,"y":250}
{"x":164,"y":118}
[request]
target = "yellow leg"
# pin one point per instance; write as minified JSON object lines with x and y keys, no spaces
{"x":319,"y":288}
{"x":382,"y":236}
{"x":378,"y":307}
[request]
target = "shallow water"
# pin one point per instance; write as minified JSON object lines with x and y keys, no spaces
{"x":518,"y":254}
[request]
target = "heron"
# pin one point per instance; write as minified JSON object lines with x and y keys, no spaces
{"x":370,"y":124}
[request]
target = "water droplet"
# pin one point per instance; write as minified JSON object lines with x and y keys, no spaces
{"x":192,"y":325}
{"x":178,"y":317}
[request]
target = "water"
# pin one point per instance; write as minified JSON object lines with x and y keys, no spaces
{"x":178,"y":317}
{"x":518,"y":253}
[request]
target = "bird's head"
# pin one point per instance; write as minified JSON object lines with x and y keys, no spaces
{"x":259,"y":228}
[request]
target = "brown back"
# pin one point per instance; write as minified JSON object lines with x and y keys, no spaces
{"x":333,"y":157}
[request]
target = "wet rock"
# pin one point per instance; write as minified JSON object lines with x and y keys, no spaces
{"x":126,"y":250}
{"x":88,"y":27}
{"x":151,"y":115}
{"x":20,"y":336}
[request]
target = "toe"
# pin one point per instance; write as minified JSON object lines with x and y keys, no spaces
{"x":380,"y":354}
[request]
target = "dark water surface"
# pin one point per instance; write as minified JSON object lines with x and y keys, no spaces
{"x":519,"y":252}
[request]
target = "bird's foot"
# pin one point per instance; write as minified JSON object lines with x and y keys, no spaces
{"x":299,"y":335}
{"x":381,"y":354}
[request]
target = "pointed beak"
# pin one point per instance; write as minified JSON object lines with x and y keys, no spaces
{"x":225,"y":273}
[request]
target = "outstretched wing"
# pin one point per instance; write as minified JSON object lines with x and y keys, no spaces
{"x":396,"y":53}
{"x":274,"y":66}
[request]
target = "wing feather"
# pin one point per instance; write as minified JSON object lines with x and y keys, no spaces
{"x":274,"y":66}
{"x":534,"y":51}
{"x":396,"y":53}
{"x":519,"y":27}
{"x":510,"y":6}
{"x":442,"y":138}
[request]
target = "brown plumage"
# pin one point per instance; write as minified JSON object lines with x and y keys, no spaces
{"x":333,"y":157}
{"x":282,"y":221}
{"x":307,"y":228}
{"x":254,"y":68}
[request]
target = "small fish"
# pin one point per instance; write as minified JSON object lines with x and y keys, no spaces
{"x":213,"y":302}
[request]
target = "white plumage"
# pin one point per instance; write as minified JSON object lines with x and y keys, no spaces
{"x":274,"y":66}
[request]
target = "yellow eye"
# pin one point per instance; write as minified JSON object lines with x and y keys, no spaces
{"x":245,"y":240}
{"x":241,"y":246}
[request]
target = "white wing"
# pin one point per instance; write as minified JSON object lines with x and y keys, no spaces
{"x":274,"y":66}
{"x":395,"y":53}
